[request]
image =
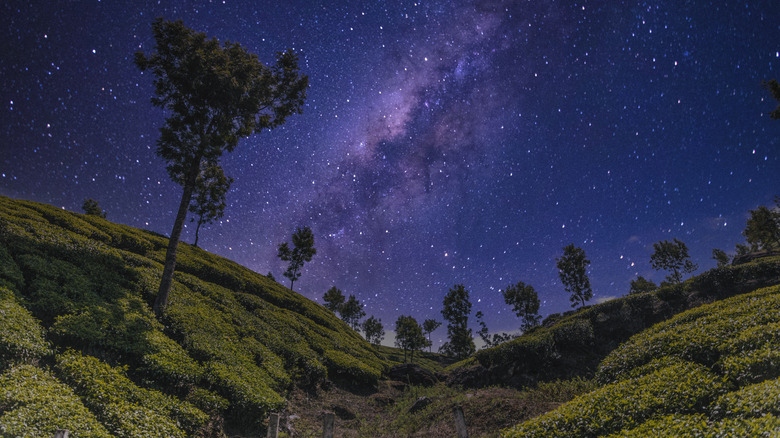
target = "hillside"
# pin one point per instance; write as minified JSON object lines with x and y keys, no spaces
{"x":80,"y":348}
{"x":711,"y":371}
{"x":573,"y":344}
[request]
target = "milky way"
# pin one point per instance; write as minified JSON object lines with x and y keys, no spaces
{"x":441,"y":142}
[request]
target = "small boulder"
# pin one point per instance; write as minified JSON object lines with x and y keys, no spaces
{"x":412,"y":374}
{"x":420,"y":404}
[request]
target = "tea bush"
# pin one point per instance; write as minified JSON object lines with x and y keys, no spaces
{"x":22,"y":339}
{"x":681,"y":388}
{"x":123,"y":407}
{"x":35,"y":404}
{"x":757,"y":400}
{"x":699,"y":426}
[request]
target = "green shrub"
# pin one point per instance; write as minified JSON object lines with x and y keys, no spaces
{"x":247,"y":387}
{"x":706,"y":334}
{"x":343,"y":365}
{"x":682,"y":388}
{"x":699,"y":426}
{"x":122,"y":406}
{"x":753,"y":366}
{"x":21,"y":337}
{"x":207,"y":401}
{"x":10,"y":274}
{"x":35,"y":404}
{"x":755,"y":400}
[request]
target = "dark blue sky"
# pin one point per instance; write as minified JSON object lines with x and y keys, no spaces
{"x":441,"y":142}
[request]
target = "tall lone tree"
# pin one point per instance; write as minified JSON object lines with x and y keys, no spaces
{"x":409,"y":336}
{"x":352,"y":312}
{"x":720,"y":257}
{"x":91,"y":207}
{"x":572,"y":269}
{"x":641,"y":284}
{"x":672,"y":256}
{"x":209,"y":203}
{"x":525,"y":303}
{"x":774,"y":88}
{"x":303,"y":250}
{"x":374,"y":331}
{"x":762,"y":230}
{"x":457,"y":308}
{"x":214,"y":94}
{"x":333,"y":299}
{"x":429,"y":325}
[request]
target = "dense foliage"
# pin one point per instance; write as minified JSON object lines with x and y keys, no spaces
{"x":572,"y":269}
{"x":711,"y":369}
{"x":76,"y":293}
{"x":575,"y":343}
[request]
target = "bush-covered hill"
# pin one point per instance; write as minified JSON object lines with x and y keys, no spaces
{"x":574,"y":344}
{"x":713,"y":371}
{"x":80,"y":348}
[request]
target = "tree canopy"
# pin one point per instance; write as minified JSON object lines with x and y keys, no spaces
{"x":333,"y":299}
{"x":429,"y":325}
{"x":763,"y":228}
{"x":409,"y":336}
{"x":457,"y":308}
{"x":774,"y":88}
{"x":374,"y":331}
{"x":303,"y":250}
{"x":208,"y":202}
{"x":672,"y":256}
{"x":214,"y":94}
{"x":572,"y":269}
{"x":641,"y":284}
{"x":352,"y":312}
{"x":720,"y":257}
{"x":91,"y":207}
{"x":525,"y":303}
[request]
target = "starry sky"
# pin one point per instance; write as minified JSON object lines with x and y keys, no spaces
{"x":442,"y":142}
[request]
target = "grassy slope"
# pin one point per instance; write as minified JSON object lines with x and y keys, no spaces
{"x":574,"y":344}
{"x":710,"y":371}
{"x":76,"y":330}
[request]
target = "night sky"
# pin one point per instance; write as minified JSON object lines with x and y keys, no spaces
{"x":440,"y":143}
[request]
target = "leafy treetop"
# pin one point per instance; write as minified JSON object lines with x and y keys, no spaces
{"x":525,"y":303}
{"x":303,"y":250}
{"x":672,"y":256}
{"x":91,"y":207}
{"x":214,"y":94}
{"x":572,"y":269}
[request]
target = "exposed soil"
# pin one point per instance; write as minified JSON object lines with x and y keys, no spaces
{"x":384,"y":411}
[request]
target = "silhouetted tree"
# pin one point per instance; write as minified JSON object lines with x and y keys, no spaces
{"x":720,"y":257}
{"x":208,"y":202}
{"x":572,"y":269}
{"x":409,"y":336}
{"x":641,"y":284}
{"x":270,"y":276}
{"x":374,"y":331}
{"x":303,"y":250}
{"x":334,"y":299}
{"x":214,"y":95}
{"x":91,"y":207}
{"x":525,"y":303}
{"x":774,"y":88}
{"x":429,"y":325}
{"x":483,"y":330}
{"x":672,"y":256}
{"x":457,"y":308}
{"x":763,"y":228}
{"x":352,"y":312}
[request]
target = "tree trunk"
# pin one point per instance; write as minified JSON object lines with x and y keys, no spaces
{"x":173,"y":243}
{"x":197,"y":230}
